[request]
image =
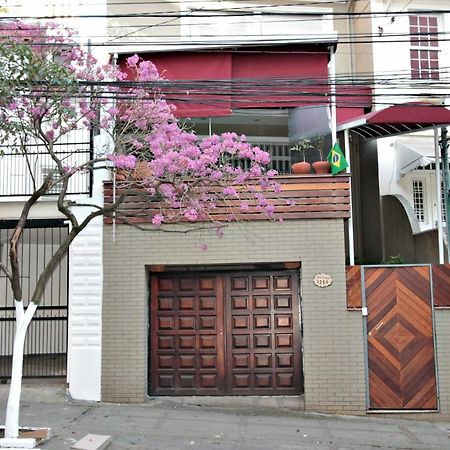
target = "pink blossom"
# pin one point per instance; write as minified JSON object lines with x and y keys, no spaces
{"x":230,"y":191}
{"x":191,"y":215}
{"x":132,"y":61}
{"x":157,"y":220}
{"x":113,"y":111}
{"x":127,"y":162}
{"x":270,"y":209}
{"x":204,"y":247}
{"x":50,"y":135}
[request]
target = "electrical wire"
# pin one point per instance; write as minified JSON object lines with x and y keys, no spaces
{"x":214,"y":13}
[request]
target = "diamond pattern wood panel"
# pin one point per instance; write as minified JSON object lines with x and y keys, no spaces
{"x":441,"y":285}
{"x":400,"y":339}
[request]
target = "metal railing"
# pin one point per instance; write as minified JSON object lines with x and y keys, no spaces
{"x":45,"y":352}
{"x":19,"y":173}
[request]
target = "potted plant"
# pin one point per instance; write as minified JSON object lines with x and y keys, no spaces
{"x":302,"y":167}
{"x":322,"y":166}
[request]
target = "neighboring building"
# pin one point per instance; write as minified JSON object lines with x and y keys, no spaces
{"x":406,"y":63}
{"x":62,"y":340}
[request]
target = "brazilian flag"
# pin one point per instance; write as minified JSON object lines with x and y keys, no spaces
{"x":337,"y":159}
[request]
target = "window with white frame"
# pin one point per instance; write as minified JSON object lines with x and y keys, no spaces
{"x":424,"y":50}
{"x":418,"y":193}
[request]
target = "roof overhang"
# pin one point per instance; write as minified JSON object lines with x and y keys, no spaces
{"x":329,"y":39}
{"x":398,"y":119}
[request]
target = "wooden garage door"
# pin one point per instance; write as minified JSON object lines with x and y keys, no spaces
{"x":400,"y":343}
{"x":235,"y":333}
{"x":263,"y":336}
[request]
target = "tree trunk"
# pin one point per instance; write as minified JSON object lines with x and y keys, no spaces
{"x":12,"y":408}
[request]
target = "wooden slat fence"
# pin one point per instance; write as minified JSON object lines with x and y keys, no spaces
{"x":301,"y":197}
{"x":441,"y":286}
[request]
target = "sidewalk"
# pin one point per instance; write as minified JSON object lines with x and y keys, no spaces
{"x":165,"y":423}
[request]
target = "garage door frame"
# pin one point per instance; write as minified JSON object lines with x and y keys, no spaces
{"x":225,"y":316}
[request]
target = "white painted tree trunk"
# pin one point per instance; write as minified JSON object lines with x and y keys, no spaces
{"x":12,"y":409}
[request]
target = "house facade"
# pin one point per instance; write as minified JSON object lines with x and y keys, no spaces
{"x":250,"y":316}
{"x":264,"y":311}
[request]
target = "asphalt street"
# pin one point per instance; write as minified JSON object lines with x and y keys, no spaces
{"x":164,"y":423}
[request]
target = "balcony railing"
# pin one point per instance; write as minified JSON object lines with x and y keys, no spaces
{"x":17,"y":171}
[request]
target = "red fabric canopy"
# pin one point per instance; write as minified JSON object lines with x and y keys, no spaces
{"x":266,"y":79}
{"x":411,"y":113}
{"x":398,"y":119}
{"x":212,"y":83}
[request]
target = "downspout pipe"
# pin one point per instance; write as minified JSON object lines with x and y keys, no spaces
{"x":446,"y":177}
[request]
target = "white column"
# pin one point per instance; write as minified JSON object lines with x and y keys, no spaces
{"x":438,"y":196}
{"x":351,"y":242}
{"x":85,"y":301}
{"x":332,"y":79}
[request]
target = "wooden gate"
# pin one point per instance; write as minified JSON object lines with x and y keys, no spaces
{"x":232,"y":333}
{"x":400,"y":338}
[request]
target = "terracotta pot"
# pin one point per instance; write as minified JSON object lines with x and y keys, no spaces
{"x":321,"y":167}
{"x":301,"y":168}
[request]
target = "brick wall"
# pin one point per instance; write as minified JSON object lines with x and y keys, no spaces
{"x":442,"y":327}
{"x":332,"y":336}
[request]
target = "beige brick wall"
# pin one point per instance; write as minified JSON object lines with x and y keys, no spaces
{"x":442,"y":327}
{"x":332,"y":336}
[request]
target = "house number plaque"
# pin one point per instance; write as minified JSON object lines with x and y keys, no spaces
{"x":323,"y":280}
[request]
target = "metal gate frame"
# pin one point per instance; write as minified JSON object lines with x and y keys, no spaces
{"x":366,"y":353}
{"x":46,"y":343}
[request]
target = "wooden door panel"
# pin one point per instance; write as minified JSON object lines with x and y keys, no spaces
{"x":400,"y":340}
{"x":187,"y":348}
{"x":261,"y":352}
{"x":263,"y":328}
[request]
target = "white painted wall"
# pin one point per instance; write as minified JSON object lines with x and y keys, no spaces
{"x":85,"y":301}
{"x":85,"y":255}
{"x":391,"y":61}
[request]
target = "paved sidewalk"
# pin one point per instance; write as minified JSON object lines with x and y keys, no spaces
{"x":262,"y":424}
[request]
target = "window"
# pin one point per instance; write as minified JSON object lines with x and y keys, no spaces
{"x":424,"y":47}
{"x":418,"y":191}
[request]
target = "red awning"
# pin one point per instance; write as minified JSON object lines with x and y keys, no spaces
{"x":397,"y":119}
{"x":198,"y":82}
{"x":213,"y":83}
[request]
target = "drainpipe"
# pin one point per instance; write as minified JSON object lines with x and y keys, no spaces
{"x":446,"y":178}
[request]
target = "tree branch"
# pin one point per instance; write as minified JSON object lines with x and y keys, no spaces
{"x":18,"y":230}
{"x":6,"y":271}
{"x":63,"y":248}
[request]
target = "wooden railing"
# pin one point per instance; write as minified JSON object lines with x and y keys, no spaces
{"x":301,"y":197}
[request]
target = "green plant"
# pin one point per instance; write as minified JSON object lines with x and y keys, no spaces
{"x":318,"y":142}
{"x":302,"y":145}
{"x":395,"y":259}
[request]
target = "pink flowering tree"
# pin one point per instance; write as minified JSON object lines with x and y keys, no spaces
{"x":50,"y":89}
